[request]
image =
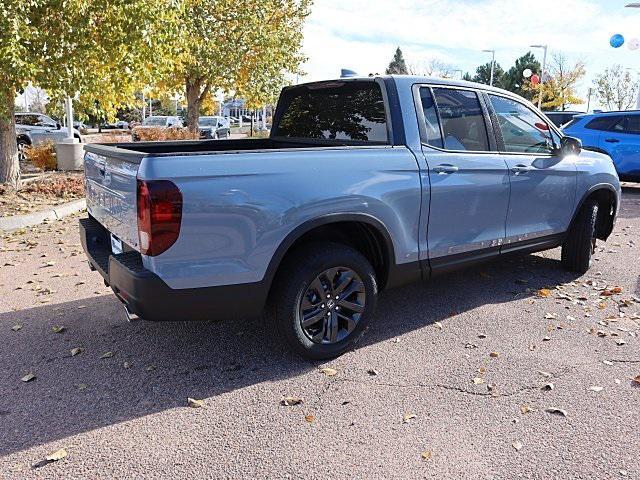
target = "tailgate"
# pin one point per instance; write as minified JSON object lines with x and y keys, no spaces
{"x":111,"y":190}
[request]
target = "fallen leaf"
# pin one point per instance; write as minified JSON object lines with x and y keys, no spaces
{"x":546,"y":339}
{"x":478,"y":381}
{"x":126,"y":365}
{"x":548,"y":386}
{"x":620,"y":342}
{"x":107,"y":355}
{"x":543,"y":293}
{"x":16,"y":327}
{"x":525,"y":409}
{"x":76,"y":351}
{"x":151,"y":367}
{"x":193,"y":403}
{"x":438,"y":325}
{"x":290,"y":401}
{"x":28,"y":377}
{"x":57,"y":455}
{"x":636,"y":380}
{"x":607,"y":362}
{"x":309,"y":418}
{"x":482,"y":370}
{"x":494,"y":354}
{"x":545,"y":374}
{"x":58,"y":329}
{"x":82,"y":386}
{"x":517,"y":445}
{"x":408,"y":416}
{"x":329,"y":372}
{"x":556,"y":411}
{"x":426,"y":455}
{"x":550,"y":316}
{"x":596,"y":388}
{"x":482,"y":335}
{"x":372,"y":372}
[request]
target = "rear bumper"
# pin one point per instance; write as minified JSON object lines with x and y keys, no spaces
{"x":149,"y":297}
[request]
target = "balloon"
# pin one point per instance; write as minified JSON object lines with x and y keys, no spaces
{"x":616,"y":41}
{"x":535,"y":79}
{"x":527,"y":73}
{"x":633,"y":44}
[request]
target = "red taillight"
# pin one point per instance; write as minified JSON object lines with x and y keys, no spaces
{"x":159,"y":205}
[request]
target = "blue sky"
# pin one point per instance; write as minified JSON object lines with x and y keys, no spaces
{"x":363,"y":34}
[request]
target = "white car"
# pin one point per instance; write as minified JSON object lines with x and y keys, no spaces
{"x":157,"y":121}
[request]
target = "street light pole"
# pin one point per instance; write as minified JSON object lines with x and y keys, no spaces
{"x":493,"y":64}
{"x":544,"y":66}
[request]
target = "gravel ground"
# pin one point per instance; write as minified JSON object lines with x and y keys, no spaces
{"x":448,"y":383}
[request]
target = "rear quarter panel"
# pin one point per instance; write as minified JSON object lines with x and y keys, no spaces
{"x":239,"y":207}
{"x":595,"y":170}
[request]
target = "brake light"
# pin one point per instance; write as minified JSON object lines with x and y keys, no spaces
{"x":159,"y":205}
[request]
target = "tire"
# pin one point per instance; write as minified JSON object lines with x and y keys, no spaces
{"x":579,"y":246}
{"x":22,"y":144}
{"x":338,"y":269}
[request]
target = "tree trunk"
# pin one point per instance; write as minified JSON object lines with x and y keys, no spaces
{"x":9,"y":164}
{"x":194,"y":99}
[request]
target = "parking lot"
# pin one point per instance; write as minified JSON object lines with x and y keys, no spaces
{"x":514,"y":369}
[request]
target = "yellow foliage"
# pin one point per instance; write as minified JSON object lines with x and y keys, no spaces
{"x":42,"y":155}
{"x":158,"y":134}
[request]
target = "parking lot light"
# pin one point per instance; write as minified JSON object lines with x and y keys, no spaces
{"x":493,"y":64}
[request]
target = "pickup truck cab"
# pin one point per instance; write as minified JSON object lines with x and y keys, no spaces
{"x":364,"y":184}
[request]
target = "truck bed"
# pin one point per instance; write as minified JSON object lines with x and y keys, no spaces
{"x":135,"y":151}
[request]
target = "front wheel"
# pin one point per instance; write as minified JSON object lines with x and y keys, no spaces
{"x":580,"y":244}
{"x":323,"y":300}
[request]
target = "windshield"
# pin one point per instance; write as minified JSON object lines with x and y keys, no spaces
{"x":155,"y":121}
{"x":208,"y":121}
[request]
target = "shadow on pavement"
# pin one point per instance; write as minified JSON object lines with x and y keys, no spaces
{"x":630,"y":205}
{"x":168,"y":362}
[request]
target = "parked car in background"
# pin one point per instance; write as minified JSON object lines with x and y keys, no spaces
{"x":35,"y":128}
{"x":214,"y":127}
{"x":615,"y":133}
{"x":561,"y":118}
{"x":363,"y":184}
{"x":118,"y":125}
{"x":157,"y":121}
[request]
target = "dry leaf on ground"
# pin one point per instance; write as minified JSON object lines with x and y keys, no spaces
{"x":309,"y":418}
{"x":76,"y":351}
{"x":426,"y":455}
{"x":193,"y":403}
{"x":58,"y":329}
{"x":16,"y":327}
{"x":57,"y":455}
{"x":290,"y":401}
{"x":543,"y":292}
{"x":28,"y":377}
{"x":556,"y":411}
{"x":107,"y":355}
{"x":329,"y":372}
{"x":517,"y":445}
{"x":407,"y":417}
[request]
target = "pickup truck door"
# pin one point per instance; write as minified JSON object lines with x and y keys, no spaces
{"x":543,"y":184}
{"x":469,"y":180}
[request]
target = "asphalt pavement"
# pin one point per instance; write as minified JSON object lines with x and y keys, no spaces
{"x":514,"y":369}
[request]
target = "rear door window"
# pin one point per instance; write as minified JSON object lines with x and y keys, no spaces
{"x":633,"y":124}
{"x":462,"y":119}
{"x":335,"y":112}
{"x":432,"y":132}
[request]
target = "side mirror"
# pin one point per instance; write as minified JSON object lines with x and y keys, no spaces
{"x":570,"y":146}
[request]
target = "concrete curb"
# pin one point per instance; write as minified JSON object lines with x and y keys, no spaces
{"x":8,"y":224}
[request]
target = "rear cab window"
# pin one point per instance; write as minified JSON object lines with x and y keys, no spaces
{"x":333,"y":113}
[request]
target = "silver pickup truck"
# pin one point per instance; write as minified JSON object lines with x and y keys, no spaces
{"x":364,"y":184}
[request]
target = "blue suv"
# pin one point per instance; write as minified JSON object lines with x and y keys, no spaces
{"x":615,"y":133}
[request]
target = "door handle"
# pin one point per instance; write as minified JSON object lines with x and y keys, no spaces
{"x":445,"y":168}
{"x":521,"y":168}
{"x":612,"y":140}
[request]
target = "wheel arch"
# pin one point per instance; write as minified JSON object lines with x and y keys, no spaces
{"x":363,"y":232}
{"x":607,"y":197}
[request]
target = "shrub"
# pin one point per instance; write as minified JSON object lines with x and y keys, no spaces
{"x":160,"y":134}
{"x":42,"y":155}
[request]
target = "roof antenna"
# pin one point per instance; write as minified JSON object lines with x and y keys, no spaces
{"x":346,"y":73}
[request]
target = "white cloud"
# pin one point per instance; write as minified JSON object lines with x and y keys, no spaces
{"x":362,"y":34}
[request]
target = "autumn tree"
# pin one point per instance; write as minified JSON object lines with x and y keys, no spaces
{"x":431,"y":68}
{"x":616,"y":88}
{"x":560,"y":83}
{"x":247,"y":47}
{"x":397,"y":66}
{"x":95,"y":50}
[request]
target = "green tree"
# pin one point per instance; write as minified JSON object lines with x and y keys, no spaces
{"x":514,"y":80}
{"x":397,"y":66}
{"x":616,"y":88}
{"x":245,"y":47}
{"x":483,"y":75}
{"x":94,"y":50}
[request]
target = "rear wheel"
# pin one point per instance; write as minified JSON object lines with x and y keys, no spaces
{"x":323,"y":300}
{"x":22,"y":145}
{"x":580,"y":244}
